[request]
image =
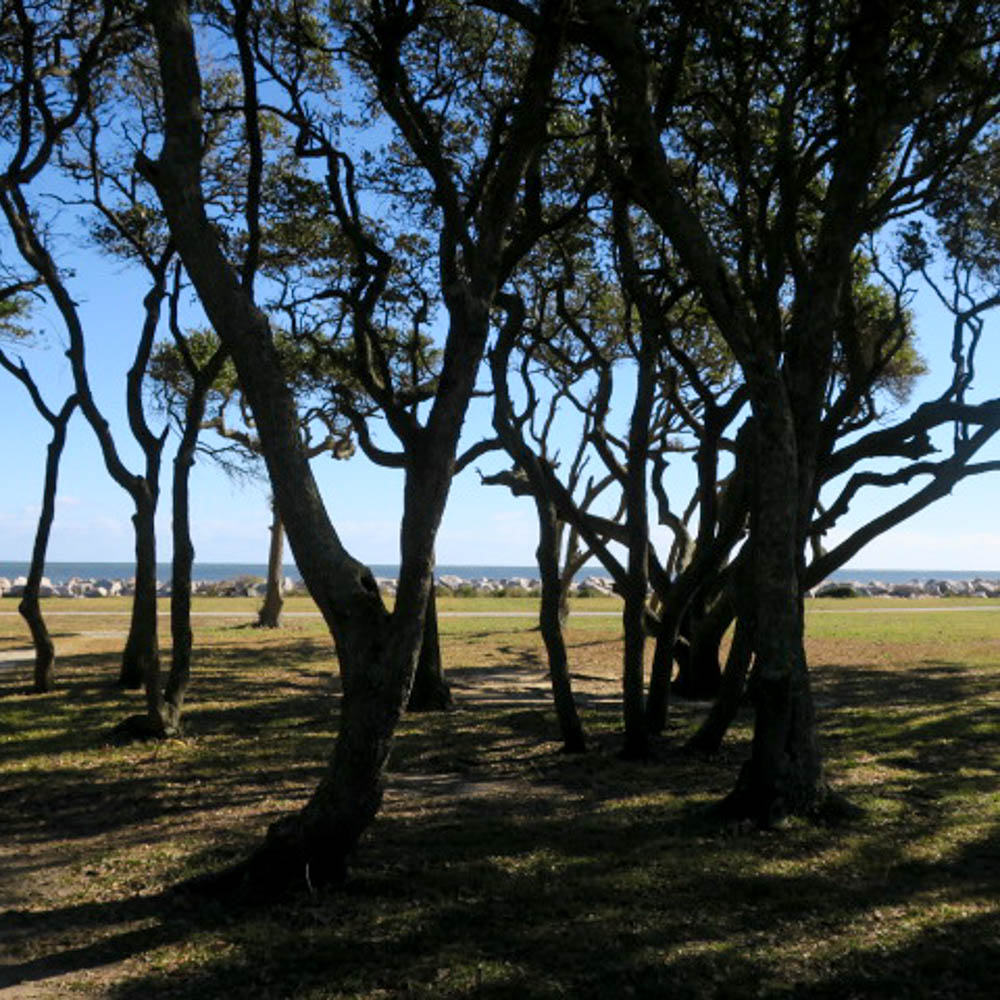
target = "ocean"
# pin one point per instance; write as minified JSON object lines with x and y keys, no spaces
{"x":60,"y":572}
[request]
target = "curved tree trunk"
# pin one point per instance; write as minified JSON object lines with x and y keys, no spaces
{"x":30,"y":608}
{"x":269,"y":615}
{"x":431,"y":691}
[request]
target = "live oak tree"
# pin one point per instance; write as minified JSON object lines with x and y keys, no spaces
{"x":473,"y":191}
{"x":57,"y":63}
{"x":825,"y":125}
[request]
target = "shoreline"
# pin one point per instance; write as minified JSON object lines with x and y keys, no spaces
{"x":452,"y":585}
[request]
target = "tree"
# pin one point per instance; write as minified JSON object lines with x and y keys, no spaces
{"x":42,"y":107}
{"x":482,"y":237}
{"x":13,"y":306}
{"x":824,"y":127}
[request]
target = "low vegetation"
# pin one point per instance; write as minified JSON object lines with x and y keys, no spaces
{"x":500,"y":867}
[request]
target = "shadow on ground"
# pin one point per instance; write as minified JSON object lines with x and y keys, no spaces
{"x":501,"y":868}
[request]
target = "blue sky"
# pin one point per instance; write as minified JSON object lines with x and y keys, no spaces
{"x":482,"y":525}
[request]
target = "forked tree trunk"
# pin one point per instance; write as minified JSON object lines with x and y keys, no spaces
{"x":269,"y":615}
{"x":431,"y":691}
{"x":550,"y":619}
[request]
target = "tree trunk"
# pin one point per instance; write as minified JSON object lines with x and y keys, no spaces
{"x":431,"y":691}
{"x":30,"y":608}
{"x":141,"y":657}
{"x":181,"y":632}
{"x":636,"y":745}
{"x":660,"y":674}
{"x":708,"y":738}
{"x":550,"y":623}
{"x":269,"y":615}
{"x":701,"y":679}
{"x":784,"y":774}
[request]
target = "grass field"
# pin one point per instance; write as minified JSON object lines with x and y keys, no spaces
{"x":500,"y":868}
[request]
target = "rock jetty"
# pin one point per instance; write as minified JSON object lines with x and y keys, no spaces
{"x":515,"y":586}
{"x":912,"y":588}
{"x":92,"y":587}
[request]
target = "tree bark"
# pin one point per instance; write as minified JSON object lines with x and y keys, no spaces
{"x":269,"y":615}
{"x":784,"y":774}
{"x":141,"y":657}
{"x":431,"y":691}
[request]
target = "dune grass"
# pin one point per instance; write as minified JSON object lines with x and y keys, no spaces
{"x":499,"y":867}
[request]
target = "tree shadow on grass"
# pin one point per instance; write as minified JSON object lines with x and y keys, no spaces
{"x":499,"y":869}
{"x":502,"y":899}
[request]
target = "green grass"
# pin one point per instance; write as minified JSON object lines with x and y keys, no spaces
{"x":499,"y":867}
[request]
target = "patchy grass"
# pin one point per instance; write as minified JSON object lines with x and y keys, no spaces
{"x":499,"y":867}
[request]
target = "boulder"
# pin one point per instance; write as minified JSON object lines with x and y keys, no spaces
{"x":450,"y":581}
{"x":839,"y":588}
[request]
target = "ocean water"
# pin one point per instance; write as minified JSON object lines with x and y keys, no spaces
{"x":60,"y":572}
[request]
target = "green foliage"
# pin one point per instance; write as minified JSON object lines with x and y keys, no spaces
{"x":14,"y":310}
